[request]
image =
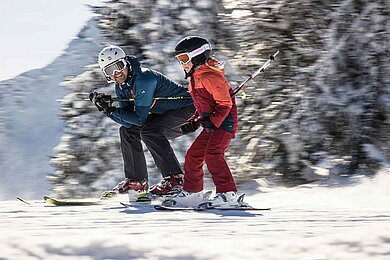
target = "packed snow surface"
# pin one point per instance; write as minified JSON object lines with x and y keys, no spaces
{"x":306,"y":222}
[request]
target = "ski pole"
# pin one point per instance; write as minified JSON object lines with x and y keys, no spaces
{"x":257,"y":72}
{"x":242,"y":85}
{"x":117,"y":99}
{"x":156,"y":98}
{"x":236,"y":90}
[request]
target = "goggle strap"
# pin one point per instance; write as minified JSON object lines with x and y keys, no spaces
{"x":195,"y":52}
{"x":200,"y":50}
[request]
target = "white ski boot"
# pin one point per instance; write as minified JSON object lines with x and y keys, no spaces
{"x":222,"y":200}
{"x":187,"y":199}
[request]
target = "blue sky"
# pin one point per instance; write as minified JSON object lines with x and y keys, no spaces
{"x":34,"y":33}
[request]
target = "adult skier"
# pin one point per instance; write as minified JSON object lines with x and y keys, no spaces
{"x":216,"y":112}
{"x":147,"y":119}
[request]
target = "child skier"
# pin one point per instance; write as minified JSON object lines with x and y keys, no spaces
{"x":216,"y":112}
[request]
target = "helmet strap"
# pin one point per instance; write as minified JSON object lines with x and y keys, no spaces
{"x":194,"y":67}
{"x":189,"y":74}
{"x":129,"y":65}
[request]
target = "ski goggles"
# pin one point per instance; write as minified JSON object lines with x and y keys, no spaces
{"x":185,"y":58}
{"x":116,"y":66}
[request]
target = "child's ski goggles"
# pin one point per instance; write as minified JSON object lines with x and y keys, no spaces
{"x":116,"y":66}
{"x":186,"y":57}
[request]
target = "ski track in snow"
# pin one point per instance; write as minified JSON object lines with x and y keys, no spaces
{"x":305,"y":223}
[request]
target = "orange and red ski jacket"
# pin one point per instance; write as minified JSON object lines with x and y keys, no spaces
{"x":211,"y":93}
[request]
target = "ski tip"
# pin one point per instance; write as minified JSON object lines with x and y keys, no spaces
{"x":46,"y":198}
{"x":124,"y":204}
{"x":22,"y":200}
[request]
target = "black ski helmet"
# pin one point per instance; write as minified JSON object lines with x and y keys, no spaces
{"x":191,"y":43}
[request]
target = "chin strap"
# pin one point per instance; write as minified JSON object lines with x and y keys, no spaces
{"x":196,"y":63}
{"x":187,"y":75}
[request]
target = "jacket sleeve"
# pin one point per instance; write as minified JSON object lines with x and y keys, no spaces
{"x":128,"y":117}
{"x":144,"y":92}
{"x":119,"y":94}
{"x":218,"y":87}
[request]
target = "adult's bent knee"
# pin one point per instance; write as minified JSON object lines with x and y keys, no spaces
{"x":150,"y":132}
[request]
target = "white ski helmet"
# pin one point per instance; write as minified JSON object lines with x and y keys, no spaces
{"x":110,"y":55}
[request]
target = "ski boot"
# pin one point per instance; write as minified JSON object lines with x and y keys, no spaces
{"x":223,"y":199}
{"x":131,"y":187}
{"x":186,"y":199}
{"x":168,"y":186}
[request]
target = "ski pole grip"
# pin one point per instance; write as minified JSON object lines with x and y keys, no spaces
{"x":272,"y":56}
{"x":91,"y":95}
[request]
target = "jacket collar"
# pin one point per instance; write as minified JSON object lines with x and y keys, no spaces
{"x":212,"y":65}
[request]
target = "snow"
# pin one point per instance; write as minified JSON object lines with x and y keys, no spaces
{"x":306,"y":222}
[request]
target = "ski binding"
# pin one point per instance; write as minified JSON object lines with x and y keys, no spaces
{"x":161,"y":207}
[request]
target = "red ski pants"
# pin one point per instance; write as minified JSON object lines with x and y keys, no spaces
{"x":209,"y":148}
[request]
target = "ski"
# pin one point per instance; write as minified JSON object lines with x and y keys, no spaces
{"x":22,"y":200}
{"x":151,"y":199}
{"x":138,"y":197}
{"x":57,"y":202}
{"x":165,"y":208}
{"x":160,"y":207}
{"x":136,"y":204}
{"x":206,"y":205}
{"x":142,"y":198}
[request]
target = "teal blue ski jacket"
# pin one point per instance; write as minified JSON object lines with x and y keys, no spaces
{"x":144,"y":85}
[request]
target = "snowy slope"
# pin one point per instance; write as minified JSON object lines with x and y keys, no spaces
{"x":310,"y":222}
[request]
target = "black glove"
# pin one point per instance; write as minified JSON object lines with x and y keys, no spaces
{"x":102,"y":101}
{"x":190,"y":126}
{"x":207,"y":124}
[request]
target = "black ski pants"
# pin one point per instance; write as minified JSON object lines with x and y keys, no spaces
{"x":155,"y":133}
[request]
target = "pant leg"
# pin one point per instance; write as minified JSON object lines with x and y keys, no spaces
{"x":133,"y":154}
{"x":193,"y":164}
{"x":155,"y":135}
{"x":172,"y":120}
{"x":216,"y":163}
